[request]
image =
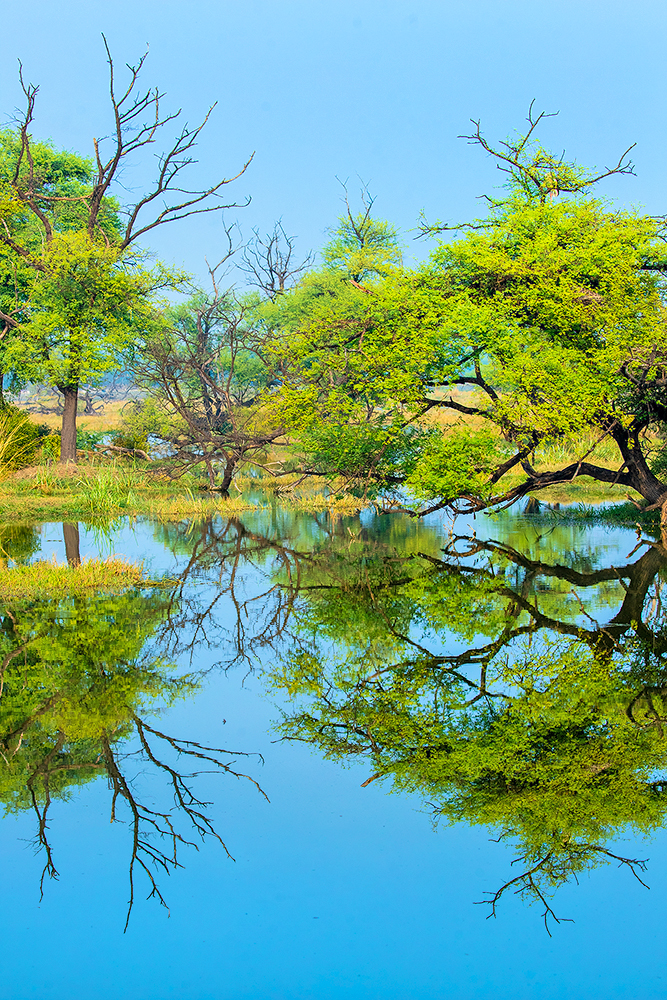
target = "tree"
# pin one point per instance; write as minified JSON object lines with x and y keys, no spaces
{"x":85,"y":269}
{"x":270,"y":263}
{"x":556,"y":310}
{"x":348,"y":360}
{"x":204,"y":376}
{"x":362,"y":246}
{"x":550,"y":309}
{"x":86,"y":306}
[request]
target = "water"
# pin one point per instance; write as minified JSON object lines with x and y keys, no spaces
{"x":497,"y":676}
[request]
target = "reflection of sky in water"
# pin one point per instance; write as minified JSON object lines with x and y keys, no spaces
{"x":336,"y":891}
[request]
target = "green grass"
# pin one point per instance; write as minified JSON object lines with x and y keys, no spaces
{"x":625,"y":514}
{"x":109,"y":576}
{"x":101,"y":493}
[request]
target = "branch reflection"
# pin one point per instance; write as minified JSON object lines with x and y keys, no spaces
{"x":78,"y":672}
{"x":522,"y":693}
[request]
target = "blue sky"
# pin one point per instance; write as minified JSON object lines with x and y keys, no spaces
{"x":376,"y":89}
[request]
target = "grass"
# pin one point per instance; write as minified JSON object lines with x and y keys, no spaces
{"x":107,"y":420}
{"x":108,"y":576}
{"x":103,"y":492}
{"x":625,"y":514}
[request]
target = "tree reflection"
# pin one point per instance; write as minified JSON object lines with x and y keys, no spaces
{"x":77,"y":676}
{"x":516,"y":692}
{"x":242,"y":606}
{"x":518,"y":683}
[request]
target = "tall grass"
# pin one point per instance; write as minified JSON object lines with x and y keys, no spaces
{"x":18,"y":440}
{"x":567,"y":450}
{"x":112,"y":489}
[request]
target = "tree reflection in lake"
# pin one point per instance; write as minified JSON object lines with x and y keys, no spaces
{"x":518,"y":683}
{"x":480,"y":680}
{"x":76,"y":679}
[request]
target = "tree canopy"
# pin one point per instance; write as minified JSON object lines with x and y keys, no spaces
{"x":74,"y":286}
{"x":542,"y":322}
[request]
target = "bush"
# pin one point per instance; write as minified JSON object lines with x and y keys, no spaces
{"x":132,"y":440}
{"x":89,"y":440}
{"x":19,"y":438}
{"x":51,"y":448}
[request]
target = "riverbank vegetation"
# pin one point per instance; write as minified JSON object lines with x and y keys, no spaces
{"x":525,"y":357}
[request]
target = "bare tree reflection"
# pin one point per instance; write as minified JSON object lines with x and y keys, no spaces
{"x":244,"y":606}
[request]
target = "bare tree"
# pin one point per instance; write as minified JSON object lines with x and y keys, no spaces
{"x":208,"y":369}
{"x":270,"y":262}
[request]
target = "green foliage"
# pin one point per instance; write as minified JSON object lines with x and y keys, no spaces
{"x":61,"y":180}
{"x":362,"y":247}
{"x":451,"y":466}
{"x":18,"y":542}
{"x":143,"y":419}
{"x":85,"y":308}
{"x":132,"y":440}
{"x":89,"y":440}
{"x":366,"y":454}
{"x":19,"y":438}
{"x":354,"y":367}
{"x":551,"y":307}
{"x":569,"y":299}
{"x":50,"y":448}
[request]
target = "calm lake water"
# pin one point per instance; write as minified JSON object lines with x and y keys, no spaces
{"x":434,"y":714}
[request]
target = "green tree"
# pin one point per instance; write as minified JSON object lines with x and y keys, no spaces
{"x":72,"y":247}
{"x":354,"y":368}
{"x":86,"y":305}
{"x":362,"y":246}
{"x":550,"y":309}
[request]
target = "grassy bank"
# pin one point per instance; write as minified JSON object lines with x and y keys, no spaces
{"x":89,"y":492}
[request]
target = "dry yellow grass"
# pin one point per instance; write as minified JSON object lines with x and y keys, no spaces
{"x":108,"y":420}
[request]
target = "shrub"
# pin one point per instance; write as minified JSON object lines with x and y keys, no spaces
{"x":51,"y":448}
{"x":19,"y":438}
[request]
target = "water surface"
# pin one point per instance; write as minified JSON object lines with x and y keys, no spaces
{"x":421,"y":704}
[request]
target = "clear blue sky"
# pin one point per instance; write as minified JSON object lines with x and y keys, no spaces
{"x":374,"y":88}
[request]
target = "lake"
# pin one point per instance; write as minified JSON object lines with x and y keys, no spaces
{"x":332,"y":747}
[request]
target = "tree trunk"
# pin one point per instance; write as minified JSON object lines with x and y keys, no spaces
{"x":227,"y":478}
{"x":643,"y":480}
{"x":72,"y":550}
{"x":68,"y":432}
